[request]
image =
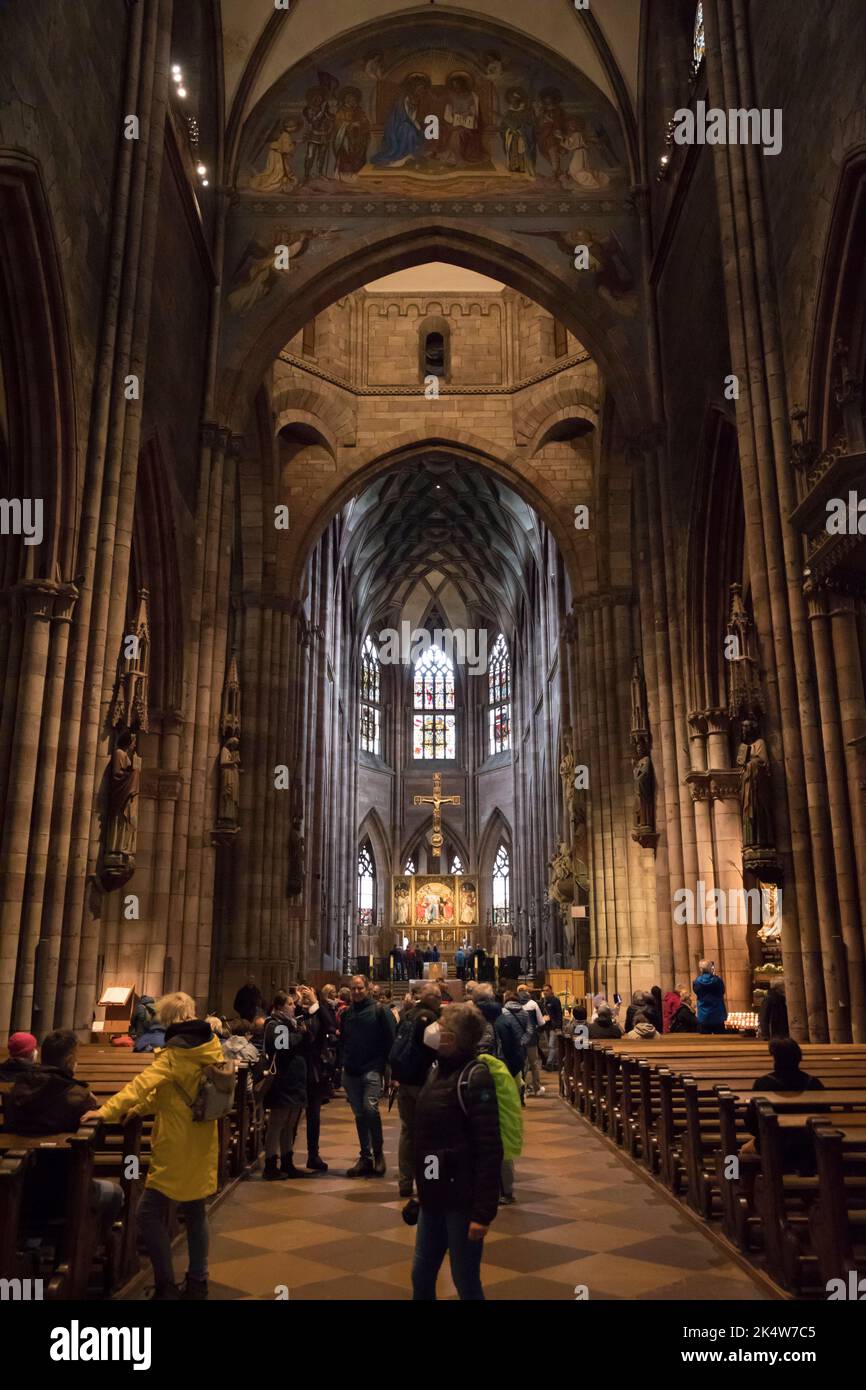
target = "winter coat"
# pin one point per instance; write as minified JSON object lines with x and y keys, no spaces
{"x":600,"y":1029}
{"x":321,"y":1033}
{"x":152,"y":1038}
{"x":552,"y":1006}
{"x":523,"y":1021}
{"x":289,"y":1086}
{"x":507,"y":1034}
{"x":14,"y":1068}
{"x":710,"y":993}
{"x":247,"y":1000}
{"x":773,"y":1015}
{"x":46,"y":1100}
{"x":467,"y":1147}
{"x":683,"y":1021}
{"x":367,"y":1032}
{"x":670,"y":1005}
{"x":643,"y":1032}
{"x":183,"y":1157}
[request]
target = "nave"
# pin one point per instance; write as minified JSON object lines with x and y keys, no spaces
{"x":584,"y":1215}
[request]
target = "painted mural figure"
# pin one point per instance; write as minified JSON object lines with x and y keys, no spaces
{"x":464,"y":145}
{"x":318,"y":129}
{"x":580,"y":171}
{"x":277,"y":176}
{"x":550,"y":125}
{"x":403,"y":136}
{"x":467,"y":907}
{"x":351,"y":134}
{"x":518,"y":133}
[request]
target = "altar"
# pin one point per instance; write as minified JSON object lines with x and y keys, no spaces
{"x":435,"y":909}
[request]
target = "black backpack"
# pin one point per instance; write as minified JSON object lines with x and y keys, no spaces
{"x":409,"y":1059}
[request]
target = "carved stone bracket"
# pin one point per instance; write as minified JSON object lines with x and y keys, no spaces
{"x":716,"y":784}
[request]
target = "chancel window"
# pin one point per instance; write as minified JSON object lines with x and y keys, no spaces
{"x":409,"y":866}
{"x":434,"y":355}
{"x":370,"y":711}
{"x":499,"y":695}
{"x":501,"y":887}
{"x":366,"y":886}
{"x":434,"y":728}
{"x":456,"y":865}
{"x":699,"y":42}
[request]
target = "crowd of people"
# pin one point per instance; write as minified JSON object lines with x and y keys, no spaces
{"x":460,"y":1074}
{"x":407,"y":962}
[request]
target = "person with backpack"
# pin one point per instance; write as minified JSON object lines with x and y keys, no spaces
{"x":183,"y":1155}
{"x":410,"y":1060}
{"x":507,"y":1039}
{"x":367,"y":1034}
{"x":458,"y":1154}
{"x":536,"y":1021}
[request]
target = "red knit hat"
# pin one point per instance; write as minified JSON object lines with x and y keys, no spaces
{"x":22,"y":1044}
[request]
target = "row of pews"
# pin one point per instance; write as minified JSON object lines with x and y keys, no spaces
{"x":67,"y":1254}
{"x":679,"y":1107}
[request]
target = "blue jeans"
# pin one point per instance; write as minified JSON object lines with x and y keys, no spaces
{"x":363,"y":1094}
{"x":438,"y":1232}
{"x":154,"y":1211}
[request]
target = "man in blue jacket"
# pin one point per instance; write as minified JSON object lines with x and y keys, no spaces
{"x":710,"y":992}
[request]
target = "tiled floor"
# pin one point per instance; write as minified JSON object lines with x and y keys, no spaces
{"x":582,"y":1217}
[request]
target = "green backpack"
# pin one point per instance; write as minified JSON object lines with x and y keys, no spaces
{"x":507,"y":1099}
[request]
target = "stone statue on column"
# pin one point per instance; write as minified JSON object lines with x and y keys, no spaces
{"x":128,"y":717}
{"x":229,"y":770}
{"x":756,"y":793}
{"x":561,"y":887}
{"x":643,"y":771}
{"x":295,"y":873}
{"x":746,"y":706}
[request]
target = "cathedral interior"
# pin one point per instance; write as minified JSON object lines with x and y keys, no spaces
{"x":331,"y":331}
{"x":432,"y":666}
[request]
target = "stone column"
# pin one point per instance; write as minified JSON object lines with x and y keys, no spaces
{"x":852,"y":714}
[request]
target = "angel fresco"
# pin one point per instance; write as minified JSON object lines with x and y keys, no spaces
{"x":256,"y":274}
{"x":614,"y":281}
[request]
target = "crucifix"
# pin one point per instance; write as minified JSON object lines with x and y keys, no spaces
{"x":438,"y":801}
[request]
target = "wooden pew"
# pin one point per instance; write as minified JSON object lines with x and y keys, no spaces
{"x":837,"y":1219}
{"x":75,"y":1236}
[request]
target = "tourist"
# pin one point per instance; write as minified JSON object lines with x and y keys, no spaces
{"x":218,"y":1026}
{"x":367,"y":1033}
{"x":258,"y":1033}
{"x":248,"y":1000}
{"x":143,"y":1016}
{"x":284,"y":1065}
{"x":238,"y":1046}
{"x":183,"y":1155}
{"x":458,"y":1159}
{"x":411,"y":1058}
{"x":710,"y":992}
{"x":23,"y":1050}
{"x":670,"y":1004}
{"x":604,"y":1025}
{"x":641,"y":1002}
{"x":773,"y":1013}
{"x":575,"y":1021}
{"x":684,"y":1019}
{"x":460,"y":962}
{"x":435,"y":953}
{"x":537,"y":1021}
{"x":643,"y":1029}
{"x":506,"y":1037}
{"x":514,"y":1007}
{"x":795,"y":1146}
{"x":344,"y":999}
{"x":151,"y":1037}
{"x":318,"y":1044}
{"x":47,"y":1098}
{"x":787,"y":1074}
{"x":552,"y":1007}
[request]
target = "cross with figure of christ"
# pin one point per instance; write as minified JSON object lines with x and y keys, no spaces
{"x":438,"y":801}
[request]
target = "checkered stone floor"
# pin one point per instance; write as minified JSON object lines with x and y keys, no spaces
{"x":582,"y":1217}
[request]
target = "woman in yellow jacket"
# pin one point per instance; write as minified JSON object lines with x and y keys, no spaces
{"x":183,"y":1162}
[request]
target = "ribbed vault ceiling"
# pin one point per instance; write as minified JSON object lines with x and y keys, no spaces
{"x":436,"y":519}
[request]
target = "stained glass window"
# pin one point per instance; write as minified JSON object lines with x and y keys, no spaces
{"x":409,"y":866}
{"x":370,"y":697}
{"x":456,"y":865}
{"x":366,"y":885}
{"x":434,"y":731}
{"x":501,"y":887}
{"x":699,"y":45}
{"x":499,"y":694}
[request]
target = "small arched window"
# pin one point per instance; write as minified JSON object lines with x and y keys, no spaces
{"x":434,"y":348}
{"x":699,"y":40}
{"x":370,"y":711}
{"x":434,"y":355}
{"x":501,"y":887}
{"x":499,"y":694}
{"x":456,"y":865}
{"x":366,"y":885}
{"x":409,"y":866}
